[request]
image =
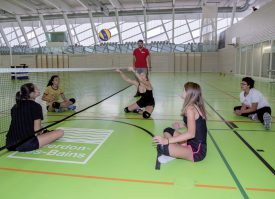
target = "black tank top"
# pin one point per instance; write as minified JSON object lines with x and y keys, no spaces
{"x":201,"y":130}
{"x":147,"y":96}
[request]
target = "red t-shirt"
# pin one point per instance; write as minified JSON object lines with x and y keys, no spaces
{"x":141,"y":57}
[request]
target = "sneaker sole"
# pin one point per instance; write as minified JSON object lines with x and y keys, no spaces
{"x":267,"y":121}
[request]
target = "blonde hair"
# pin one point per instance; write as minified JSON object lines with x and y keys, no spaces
{"x":193,"y":97}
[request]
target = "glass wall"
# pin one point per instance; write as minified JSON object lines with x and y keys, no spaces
{"x":266,"y":59}
{"x":249,"y":51}
{"x":256,"y":60}
{"x":243,"y":60}
{"x":187,"y":29}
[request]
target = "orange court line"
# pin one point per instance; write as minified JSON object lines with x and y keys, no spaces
{"x":233,"y":188}
{"x":215,"y":186}
{"x":260,"y":189}
{"x":89,"y":177}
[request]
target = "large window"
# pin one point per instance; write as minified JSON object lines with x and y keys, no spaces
{"x":187,"y":29}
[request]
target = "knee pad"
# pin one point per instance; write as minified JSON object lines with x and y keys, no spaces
{"x":72,"y":100}
{"x":146,"y":115}
{"x":163,"y":149}
{"x":169,"y":130}
{"x":126,"y":110}
{"x":56,"y":105}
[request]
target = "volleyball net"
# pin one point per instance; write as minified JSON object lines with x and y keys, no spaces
{"x":87,"y":85}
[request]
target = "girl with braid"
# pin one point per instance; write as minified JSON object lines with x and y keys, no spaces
{"x":26,"y":116}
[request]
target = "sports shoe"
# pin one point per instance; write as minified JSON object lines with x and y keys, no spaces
{"x":165,"y":159}
{"x":72,"y":107}
{"x":138,"y":110}
{"x":253,"y":116}
{"x":267,"y":120}
{"x":57,"y":110}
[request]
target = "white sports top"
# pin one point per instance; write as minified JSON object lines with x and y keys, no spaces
{"x":254,"y":96}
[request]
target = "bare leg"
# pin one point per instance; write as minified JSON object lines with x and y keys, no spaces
{"x":149,"y":109}
{"x":49,"y":137}
{"x":133,"y":107}
{"x":50,"y":107}
{"x":179,"y":151}
{"x":65,"y":104}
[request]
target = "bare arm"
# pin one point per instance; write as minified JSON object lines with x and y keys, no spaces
{"x":127,"y":79}
{"x":47,"y":98}
{"x":134,"y":61}
{"x":37,"y":126}
{"x":253,"y":108}
{"x":63,"y":97}
{"x":146,"y":83}
{"x":148,"y":60}
{"x":191,"y":131}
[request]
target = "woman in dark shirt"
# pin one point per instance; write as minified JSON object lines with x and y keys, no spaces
{"x":190,"y":145}
{"x":26,"y":116}
{"x":146,"y":92}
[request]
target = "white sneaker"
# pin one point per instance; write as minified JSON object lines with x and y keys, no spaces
{"x":164,"y":159}
{"x":253,"y":116}
{"x":267,"y":120}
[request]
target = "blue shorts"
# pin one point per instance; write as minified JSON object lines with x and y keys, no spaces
{"x":26,"y":145}
{"x":142,"y":70}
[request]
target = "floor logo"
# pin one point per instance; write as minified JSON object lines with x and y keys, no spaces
{"x":77,"y":146}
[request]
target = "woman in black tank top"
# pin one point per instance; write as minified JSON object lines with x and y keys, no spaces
{"x":146,"y":91}
{"x":190,"y":145}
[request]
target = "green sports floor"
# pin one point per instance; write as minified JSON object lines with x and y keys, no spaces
{"x":107,"y":153}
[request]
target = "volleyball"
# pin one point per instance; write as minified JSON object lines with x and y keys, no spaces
{"x":104,"y":34}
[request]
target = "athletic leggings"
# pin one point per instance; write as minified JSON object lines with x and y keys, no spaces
{"x":260,"y":112}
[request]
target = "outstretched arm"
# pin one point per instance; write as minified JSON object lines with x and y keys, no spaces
{"x":127,"y":79}
{"x":146,"y":83}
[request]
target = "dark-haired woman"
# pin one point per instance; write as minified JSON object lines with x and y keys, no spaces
{"x":26,"y":116}
{"x":52,"y":96}
{"x":146,"y":92}
{"x":254,"y":105}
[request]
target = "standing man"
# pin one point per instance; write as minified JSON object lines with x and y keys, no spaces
{"x":141,"y":60}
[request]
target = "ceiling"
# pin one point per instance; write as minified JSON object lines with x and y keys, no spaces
{"x":27,"y":8}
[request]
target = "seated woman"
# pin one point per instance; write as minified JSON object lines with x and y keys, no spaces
{"x":254,"y":105}
{"x":26,"y":116}
{"x":52,"y":94}
{"x":146,"y":91}
{"x":190,"y":145}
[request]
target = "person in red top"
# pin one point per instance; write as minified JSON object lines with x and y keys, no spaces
{"x":141,"y":60}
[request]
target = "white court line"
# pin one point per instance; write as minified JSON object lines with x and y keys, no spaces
{"x":84,"y":140}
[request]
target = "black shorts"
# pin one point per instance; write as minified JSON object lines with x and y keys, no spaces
{"x":26,"y":145}
{"x":143,"y":102}
{"x":199,"y":151}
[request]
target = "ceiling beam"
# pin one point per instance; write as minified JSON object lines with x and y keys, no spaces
{"x":84,"y":4}
{"x":102,"y":7}
{"x":116,"y":4}
{"x":97,"y":5}
{"x":12,"y":8}
{"x":59,"y":5}
{"x":26,"y":5}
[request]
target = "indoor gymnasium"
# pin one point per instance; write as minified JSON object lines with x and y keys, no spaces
{"x":137,"y":99}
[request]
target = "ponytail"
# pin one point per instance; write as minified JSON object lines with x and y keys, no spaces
{"x":18,"y":98}
{"x":24,"y":93}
